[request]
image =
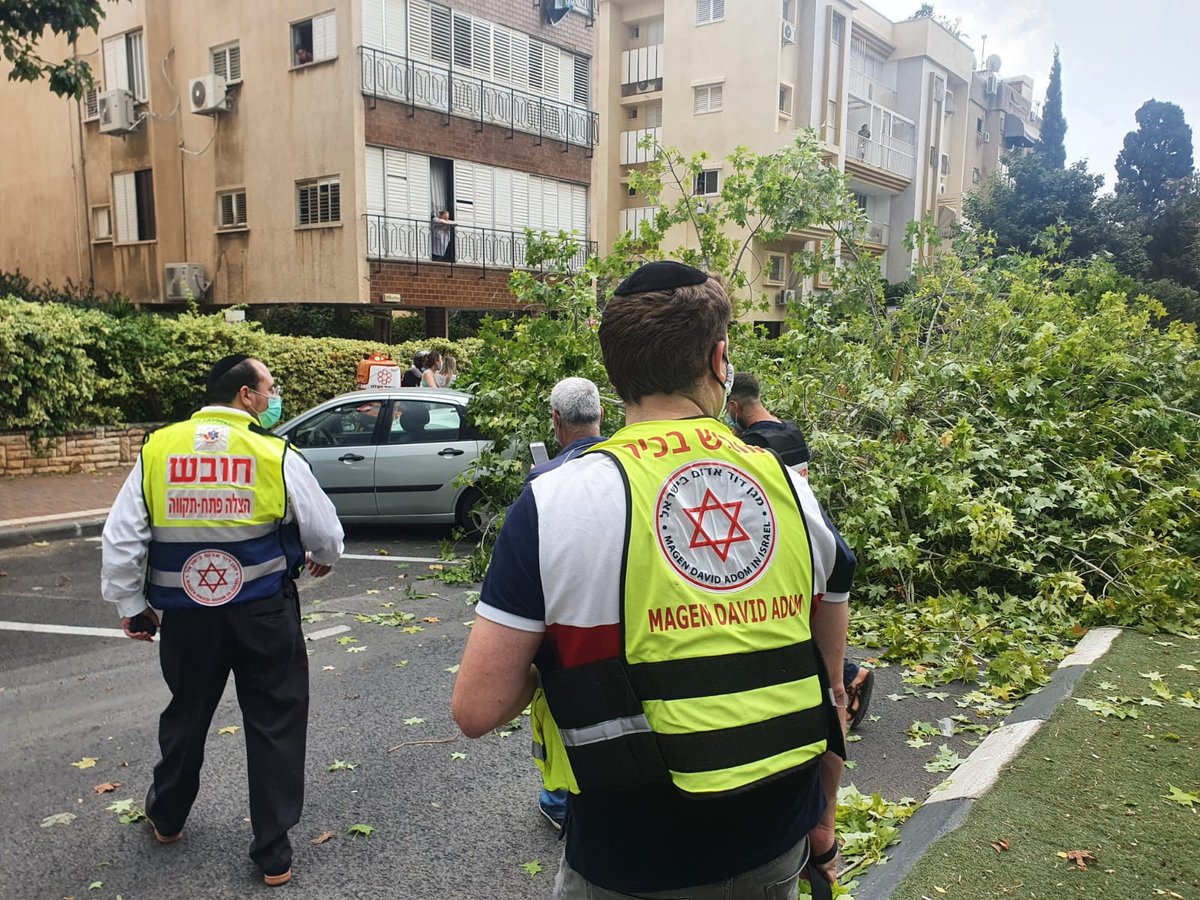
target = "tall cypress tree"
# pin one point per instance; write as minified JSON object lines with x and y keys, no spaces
{"x":1154,"y":156}
{"x":1053,"y":149}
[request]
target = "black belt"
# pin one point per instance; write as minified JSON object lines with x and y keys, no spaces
{"x":820,"y":886}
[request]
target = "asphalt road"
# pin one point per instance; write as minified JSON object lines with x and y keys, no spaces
{"x":444,"y":826}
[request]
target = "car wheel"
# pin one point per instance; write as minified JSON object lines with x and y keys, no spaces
{"x":474,"y":515}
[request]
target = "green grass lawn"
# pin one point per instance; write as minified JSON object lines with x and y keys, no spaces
{"x":1095,"y":783}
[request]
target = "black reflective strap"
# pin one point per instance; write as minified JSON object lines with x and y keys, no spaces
{"x":585,"y":695}
{"x":707,"y":676}
{"x":705,"y":751}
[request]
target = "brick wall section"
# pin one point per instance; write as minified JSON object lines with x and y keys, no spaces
{"x":433,"y":285}
{"x":105,"y":447}
{"x":389,"y":125}
{"x":572,"y":33}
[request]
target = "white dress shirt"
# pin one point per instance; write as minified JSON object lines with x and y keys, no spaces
{"x":126,"y":538}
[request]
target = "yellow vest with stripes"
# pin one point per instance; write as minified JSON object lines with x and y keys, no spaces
{"x":719,"y":686}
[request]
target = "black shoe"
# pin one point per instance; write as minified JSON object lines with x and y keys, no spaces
{"x":858,"y":697}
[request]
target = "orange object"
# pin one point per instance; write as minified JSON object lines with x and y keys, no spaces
{"x":377,"y":371}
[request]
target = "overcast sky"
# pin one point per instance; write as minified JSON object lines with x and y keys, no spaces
{"x":1115,"y":56}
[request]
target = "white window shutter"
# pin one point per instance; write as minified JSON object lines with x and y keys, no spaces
{"x":116,"y":64}
{"x":535,"y":204}
{"x":440,"y":41}
{"x":549,"y":206}
{"x":502,"y":54}
{"x":579,"y":211}
{"x":565,"y":215}
{"x":550,"y":64}
{"x":376,"y":203}
{"x":393,"y":26}
{"x":700,"y":100}
{"x":464,"y":192}
{"x":502,"y":191}
{"x":520,"y":61}
{"x":372,"y":26}
{"x":462,"y":41}
{"x":395,"y":172}
{"x":718,"y":9}
{"x":419,"y":25}
{"x":566,"y":76}
{"x":484,"y":202}
{"x":420,"y":202}
{"x":481,"y":56}
{"x":714,"y":97}
{"x":581,"y":79}
{"x":520,"y":201}
{"x":136,"y":54}
{"x":125,"y":207}
{"x":703,"y":11}
{"x":324,"y":29}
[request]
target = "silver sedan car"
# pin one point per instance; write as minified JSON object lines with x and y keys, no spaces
{"x":393,"y":456}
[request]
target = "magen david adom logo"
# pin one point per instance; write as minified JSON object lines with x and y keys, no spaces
{"x":715,"y":525}
{"x":212,"y":577}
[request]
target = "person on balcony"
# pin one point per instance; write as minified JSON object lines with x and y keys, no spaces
{"x":864,"y":135}
{"x":443,"y":237}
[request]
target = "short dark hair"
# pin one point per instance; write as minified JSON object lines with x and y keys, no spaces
{"x":228,"y":376}
{"x":658,"y":342}
{"x":418,"y":356}
{"x":745,"y":387}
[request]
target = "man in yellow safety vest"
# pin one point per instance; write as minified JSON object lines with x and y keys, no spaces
{"x":667,"y":592}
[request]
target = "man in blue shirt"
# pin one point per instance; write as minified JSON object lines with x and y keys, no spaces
{"x":575,"y":409}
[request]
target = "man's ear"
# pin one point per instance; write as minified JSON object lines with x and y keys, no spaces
{"x":717,"y":360}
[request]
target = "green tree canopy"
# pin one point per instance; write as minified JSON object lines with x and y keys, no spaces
{"x":22,"y":24}
{"x":1054,"y":126}
{"x":1158,"y":153}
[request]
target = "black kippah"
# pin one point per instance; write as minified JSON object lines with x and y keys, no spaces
{"x":664,"y":275}
{"x":225,"y":364}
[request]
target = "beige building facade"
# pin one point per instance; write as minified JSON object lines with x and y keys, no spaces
{"x":895,"y":104}
{"x":297,"y":152}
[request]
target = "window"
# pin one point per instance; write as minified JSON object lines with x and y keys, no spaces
{"x":831,"y":121}
{"x":709,"y":11}
{"x":101,"y":223}
{"x":227,"y":62}
{"x":776,"y":268}
{"x":707,"y":183}
{"x":632,"y":191}
{"x":319,"y":202}
{"x":347,"y":425}
{"x":90,"y":104}
{"x":231,"y":209}
{"x":861,"y":200}
{"x":785,"y":100}
{"x":422,"y":422}
{"x":706,"y":98}
{"x":787,"y":10}
{"x":654,"y":114}
{"x":945,"y":164}
{"x":633,"y":113}
{"x":979,"y":125}
{"x":583,"y":75}
{"x":133,"y":206}
{"x":837,"y":29}
{"x":125,"y":64}
{"x":314,"y":40}
{"x":976,"y":176}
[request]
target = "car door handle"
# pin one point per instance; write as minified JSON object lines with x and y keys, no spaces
{"x":350,"y":457}
{"x":451,"y":451}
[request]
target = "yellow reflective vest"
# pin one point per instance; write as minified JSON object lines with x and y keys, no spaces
{"x":719,"y":686}
{"x":214,"y":489}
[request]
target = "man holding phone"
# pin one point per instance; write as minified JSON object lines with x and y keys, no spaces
{"x":212,"y":526}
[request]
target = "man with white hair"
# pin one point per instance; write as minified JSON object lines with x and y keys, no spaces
{"x":576,"y":413}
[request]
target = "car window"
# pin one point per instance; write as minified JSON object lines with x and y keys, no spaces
{"x":346,"y":425}
{"x":424,"y":422}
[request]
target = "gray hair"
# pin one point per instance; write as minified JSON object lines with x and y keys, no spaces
{"x":577,"y":401}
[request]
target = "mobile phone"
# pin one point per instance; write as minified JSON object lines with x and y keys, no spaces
{"x":537,"y":450}
{"x":142,"y":623}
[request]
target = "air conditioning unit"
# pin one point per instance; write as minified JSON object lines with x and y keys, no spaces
{"x":991,"y":83}
{"x":645,"y":87}
{"x":987,"y":137}
{"x":950,"y":107}
{"x":789,"y":32}
{"x":116,"y":112}
{"x":207,"y":95}
{"x":185,"y":281}
{"x":783,"y":298}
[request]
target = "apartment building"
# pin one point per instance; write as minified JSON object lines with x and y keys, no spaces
{"x":295,"y":151}
{"x":895,"y":103}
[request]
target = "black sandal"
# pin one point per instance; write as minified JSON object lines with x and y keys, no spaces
{"x":858,"y":699}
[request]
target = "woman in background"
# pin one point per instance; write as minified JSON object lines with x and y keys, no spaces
{"x":433,"y":365}
{"x":449,"y":372}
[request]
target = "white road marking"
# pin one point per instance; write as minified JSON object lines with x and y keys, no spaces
{"x":326,"y":632}
{"x":61,"y":629}
{"x":420,"y":559}
{"x":56,"y":517}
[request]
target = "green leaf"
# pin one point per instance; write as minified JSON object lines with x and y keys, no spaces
{"x":347,"y":639}
{"x":945,"y":760}
{"x":65,"y":818}
{"x":458,"y":755}
{"x":360,"y":830}
{"x":339,"y":765}
{"x":414,"y":720}
{"x":532,"y":868}
{"x":95,"y":885}
{"x":1182,"y":797}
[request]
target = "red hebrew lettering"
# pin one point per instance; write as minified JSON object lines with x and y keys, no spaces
{"x":246,"y":466}
{"x":633,"y":448}
{"x":208,"y":470}
{"x":683,"y":444}
{"x":708,"y":440}
{"x":182,"y":470}
{"x":662,"y":443}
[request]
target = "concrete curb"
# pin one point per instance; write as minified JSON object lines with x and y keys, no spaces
{"x":17,"y":536}
{"x":948,"y":805}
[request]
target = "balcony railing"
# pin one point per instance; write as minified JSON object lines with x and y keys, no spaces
{"x":897,"y":157}
{"x":417,"y":83}
{"x":877,"y":232}
{"x":642,"y":64}
{"x":632,"y":149}
{"x":632,"y":219}
{"x":864,"y":86}
{"x":414,"y":240}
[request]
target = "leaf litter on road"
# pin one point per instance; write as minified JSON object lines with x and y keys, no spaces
{"x":88,"y":762}
{"x":64,"y":818}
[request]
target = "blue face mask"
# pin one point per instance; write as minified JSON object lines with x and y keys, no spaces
{"x":273,"y":413}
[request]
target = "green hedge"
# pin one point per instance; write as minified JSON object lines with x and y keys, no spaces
{"x":69,"y":367}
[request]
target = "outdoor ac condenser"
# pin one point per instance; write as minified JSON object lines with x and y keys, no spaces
{"x":783,"y":298}
{"x":208,"y":95}
{"x":115,"y":112}
{"x":185,"y":281}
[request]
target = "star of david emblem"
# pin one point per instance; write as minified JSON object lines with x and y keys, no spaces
{"x":212,"y":578}
{"x":701,"y":537}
